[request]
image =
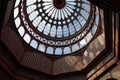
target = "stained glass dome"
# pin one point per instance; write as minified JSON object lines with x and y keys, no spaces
{"x":56,"y":27}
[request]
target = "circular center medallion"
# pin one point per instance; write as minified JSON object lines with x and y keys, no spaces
{"x":59,"y":4}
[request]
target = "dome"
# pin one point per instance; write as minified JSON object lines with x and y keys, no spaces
{"x":56,"y":27}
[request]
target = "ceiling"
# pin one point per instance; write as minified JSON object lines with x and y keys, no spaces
{"x":31,"y":60}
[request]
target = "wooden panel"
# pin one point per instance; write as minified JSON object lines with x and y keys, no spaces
{"x":114,"y":3}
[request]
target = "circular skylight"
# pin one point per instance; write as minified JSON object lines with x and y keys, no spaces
{"x":58,"y":18}
{"x":56,"y":27}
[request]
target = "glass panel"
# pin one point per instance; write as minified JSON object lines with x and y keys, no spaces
{"x":47,"y":29}
{"x":49,"y":50}
{"x":59,"y":32}
{"x":27,"y":38}
{"x":58,"y":51}
{"x":37,"y":21}
{"x":81,"y":20}
{"x":41,"y":48}
{"x":31,"y":8}
{"x":34,"y":44}
{"x":17,"y":22}
{"x":97,"y":20}
{"x":17,"y":3}
{"x":21,"y":31}
{"x":71,"y":29}
{"x":29,"y":2}
{"x":65,"y":31}
{"x":77,"y":25}
{"x":75,"y":47}
{"x":89,"y":37}
{"x":94,"y":28}
{"x":67,"y":50}
{"x":16,"y":11}
{"x":86,"y":7}
{"x":53,"y":31}
{"x":41,"y":26}
{"x":82,"y":43}
{"x":33,"y":15}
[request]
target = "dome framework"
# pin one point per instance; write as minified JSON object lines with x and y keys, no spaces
{"x":56,"y":27}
